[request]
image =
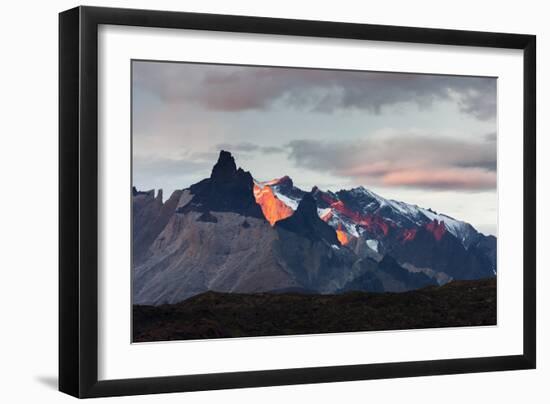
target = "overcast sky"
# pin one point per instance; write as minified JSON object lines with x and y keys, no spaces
{"x":423,"y":139}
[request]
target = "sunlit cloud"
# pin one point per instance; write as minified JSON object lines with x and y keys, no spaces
{"x":469,"y":179}
{"x":411,"y":161}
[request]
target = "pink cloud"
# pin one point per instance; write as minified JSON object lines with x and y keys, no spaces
{"x":467,"y":178}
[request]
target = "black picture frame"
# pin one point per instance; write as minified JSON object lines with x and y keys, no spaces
{"x":78,"y":201}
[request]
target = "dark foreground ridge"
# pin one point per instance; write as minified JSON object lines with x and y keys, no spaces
{"x":227,"y":315}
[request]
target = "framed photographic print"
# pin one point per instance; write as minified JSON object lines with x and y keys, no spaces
{"x":250,"y":201}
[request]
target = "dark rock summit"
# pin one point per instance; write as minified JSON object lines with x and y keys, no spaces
{"x":225,"y":168}
{"x":227,"y":190}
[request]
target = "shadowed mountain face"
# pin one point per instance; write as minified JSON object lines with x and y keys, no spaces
{"x":227,"y":190}
{"x":149,"y":217}
{"x":213,"y":236}
{"x":421,"y":239}
{"x":306,"y":223}
{"x":445,"y":253}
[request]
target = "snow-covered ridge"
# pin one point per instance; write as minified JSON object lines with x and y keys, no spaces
{"x":291,"y":203}
{"x":272,"y":182}
{"x":373,"y":245}
{"x":461,"y":230}
{"x":401,"y":213}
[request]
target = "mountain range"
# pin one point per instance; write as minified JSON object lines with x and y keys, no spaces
{"x":232,"y":233}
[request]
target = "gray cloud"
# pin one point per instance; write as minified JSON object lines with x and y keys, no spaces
{"x":417,"y":162}
{"x":158,"y":167}
{"x":249,"y":147}
{"x":272,"y":149}
{"x":201,"y":157}
{"x":243,"y":146}
{"x":481,"y":103}
{"x":237,"y":88}
{"x":489,"y":164}
{"x":491,"y":137}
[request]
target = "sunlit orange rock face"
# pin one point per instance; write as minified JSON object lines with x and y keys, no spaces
{"x":437,"y":228}
{"x":272,"y":207}
{"x":343,"y":237}
{"x":408,"y":235}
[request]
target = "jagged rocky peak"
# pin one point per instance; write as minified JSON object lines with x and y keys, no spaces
{"x":227,"y":190}
{"x":225,"y":170}
{"x":225,"y":167}
{"x":317,"y":194}
{"x":149,"y":193}
{"x":285,"y":181}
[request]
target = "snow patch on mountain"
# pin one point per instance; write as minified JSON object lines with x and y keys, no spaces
{"x":336,"y":220}
{"x":440,"y":277}
{"x":290,"y":202}
{"x":373,"y":245}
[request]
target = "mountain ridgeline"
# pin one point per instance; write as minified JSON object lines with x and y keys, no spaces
{"x":232,"y":234}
